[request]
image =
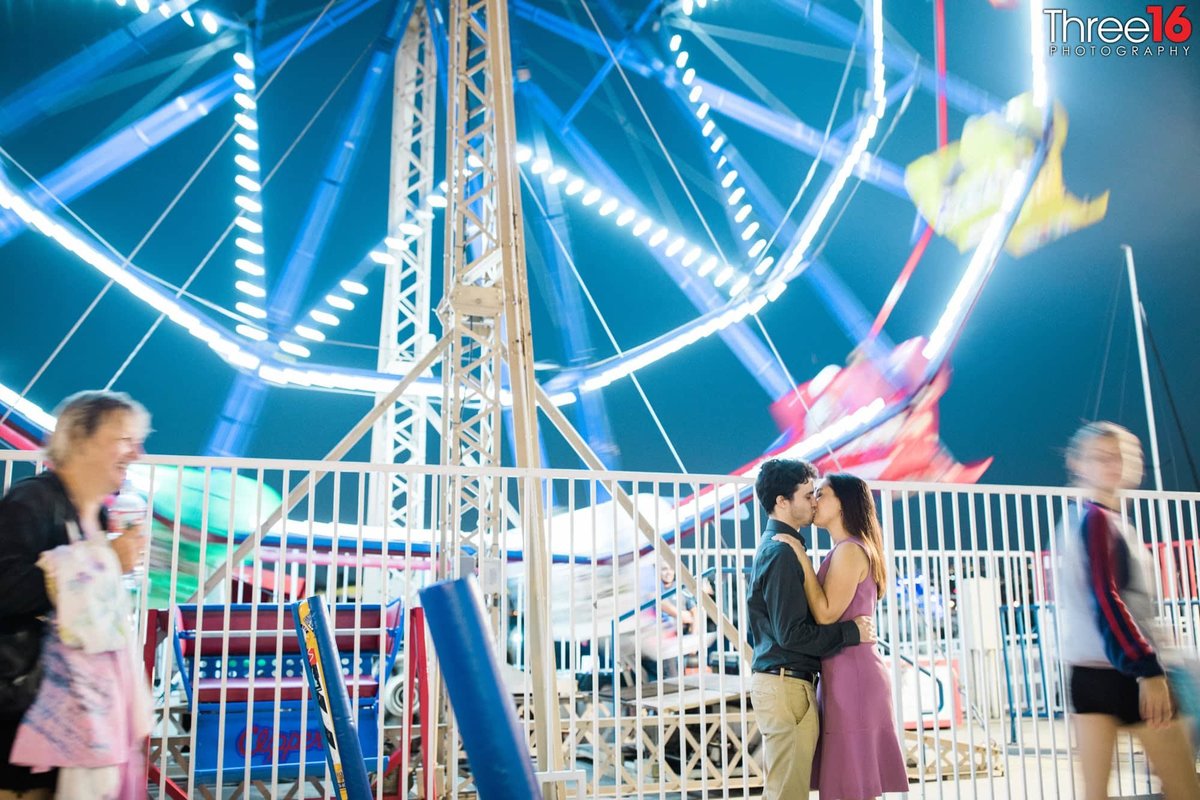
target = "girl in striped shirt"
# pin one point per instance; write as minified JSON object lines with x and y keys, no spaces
{"x":1105,"y":605}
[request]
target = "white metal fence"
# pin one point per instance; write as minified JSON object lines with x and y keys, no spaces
{"x":650,"y":706}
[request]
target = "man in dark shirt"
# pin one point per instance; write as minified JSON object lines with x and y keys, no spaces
{"x":788,"y":644}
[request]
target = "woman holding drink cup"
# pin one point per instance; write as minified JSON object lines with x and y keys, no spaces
{"x":72,"y":724}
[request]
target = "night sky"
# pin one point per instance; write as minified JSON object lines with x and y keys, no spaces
{"x":1031,"y":362}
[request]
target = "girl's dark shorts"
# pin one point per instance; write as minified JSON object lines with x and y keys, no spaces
{"x":1095,"y":690}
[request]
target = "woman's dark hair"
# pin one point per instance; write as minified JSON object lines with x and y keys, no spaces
{"x":780,"y":477}
{"x":858,"y":515}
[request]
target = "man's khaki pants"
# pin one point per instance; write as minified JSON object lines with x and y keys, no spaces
{"x":786,"y":711}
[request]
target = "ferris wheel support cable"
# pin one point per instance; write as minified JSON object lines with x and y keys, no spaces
{"x":608,"y":332}
{"x":58,"y":349}
{"x":961,"y":94}
{"x":182,"y":68}
{"x":739,"y":70}
{"x":128,"y":259}
{"x":244,"y":403}
{"x":180,"y":291}
{"x":825,"y":140}
{"x":755,"y":205}
{"x":847,"y":310}
{"x":747,"y":347}
{"x":792,"y":262}
{"x":844,"y":306}
{"x":943,"y":136}
{"x":657,"y":138}
{"x":896,"y":91}
{"x":607,"y":65}
{"x":41,"y":97}
{"x":788,"y":130}
{"x":94,"y":165}
{"x":592,"y":415}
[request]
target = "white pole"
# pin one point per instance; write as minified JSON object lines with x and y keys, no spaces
{"x":1138,"y":314}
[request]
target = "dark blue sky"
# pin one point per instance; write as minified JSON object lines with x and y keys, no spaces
{"x":1030,"y":362}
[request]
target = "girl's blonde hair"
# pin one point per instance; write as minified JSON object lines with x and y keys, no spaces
{"x":1132,"y":460}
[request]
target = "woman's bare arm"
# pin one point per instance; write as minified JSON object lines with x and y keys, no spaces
{"x":829,"y":601}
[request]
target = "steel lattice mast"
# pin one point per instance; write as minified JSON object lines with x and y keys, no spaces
{"x":485,"y":318}
{"x":400,"y":436}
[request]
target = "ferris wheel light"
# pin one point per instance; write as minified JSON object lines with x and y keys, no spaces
{"x":246,"y":162}
{"x":723,"y":277}
{"x":644,"y":224}
{"x":691,"y":257}
{"x":625,"y":217}
{"x":143,"y":5}
{"x":592,"y":196}
{"x":659,"y":237}
{"x":249,"y":245}
{"x":539,"y":166}
{"x":729,"y":178}
{"x":252,"y":311}
{"x":248,"y":225}
{"x":708,"y":266}
{"x":676,"y":40}
{"x":688,"y":77}
{"x":324,"y":317}
{"x":247,"y":183}
{"x":382,"y":258}
{"x":312,"y":334}
{"x":708,"y":128}
{"x":739,"y":286}
{"x":749,"y":231}
{"x":687,"y":7}
{"x":736,"y":196}
{"x":245,"y":101}
{"x":681,"y":59}
{"x":674,"y":247}
{"x":717,"y":144}
{"x":410,"y":229}
{"x":694,"y":94}
{"x":436,"y":201}
{"x":247,"y":288}
{"x":702,"y":111}
{"x":246,"y":122}
{"x":244,"y":61}
{"x":249,"y":267}
{"x":556,"y":176}
{"x":257,"y":334}
{"x":243,"y":80}
{"x":608,"y":206}
{"x":524,"y":153}
{"x":208,"y":22}
{"x":742,"y":213}
{"x":353,"y":287}
{"x":764,"y":265}
{"x":575,"y":186}
{"x":339,"y":302}
{"x":252,"y":206}
{"x":165,"y":10}
{"x":758,"y":247}
{"x":295,"y":349}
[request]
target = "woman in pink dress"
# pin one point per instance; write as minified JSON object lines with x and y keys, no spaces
{"x":858,"y":755}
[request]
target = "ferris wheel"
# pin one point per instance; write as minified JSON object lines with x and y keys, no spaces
{"x":286,"y":308}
